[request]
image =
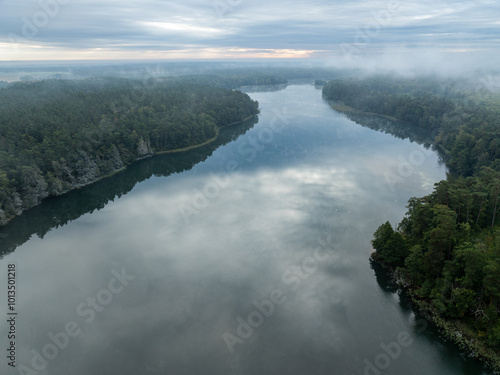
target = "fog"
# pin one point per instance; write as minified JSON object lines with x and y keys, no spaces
{"x":445,"y":38}
{"x":476,"y":71}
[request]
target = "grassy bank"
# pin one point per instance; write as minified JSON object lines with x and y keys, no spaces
{"x":208,"y":141}
{"x":341,"y":107}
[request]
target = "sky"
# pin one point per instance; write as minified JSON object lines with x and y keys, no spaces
{"x":325,"y":30}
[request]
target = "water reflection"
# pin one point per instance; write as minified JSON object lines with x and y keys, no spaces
{"x":315,"y":190}
{"x":402,"y":131}
{"x":384,"y":279}
{"x":263,"y":88}
{"x":58,"y":211}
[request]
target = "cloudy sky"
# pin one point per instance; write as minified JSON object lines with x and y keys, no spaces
{"x":232,"y":29}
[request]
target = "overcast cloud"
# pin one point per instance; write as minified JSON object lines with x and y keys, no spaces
{"x":336,"y":30}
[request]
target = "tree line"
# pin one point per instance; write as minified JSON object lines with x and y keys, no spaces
{"x":464,"y":116}
{"x":447,"y":247}
{"x":45,"y":217}
{"x":57,"y":135}
{"x":231,"y":80}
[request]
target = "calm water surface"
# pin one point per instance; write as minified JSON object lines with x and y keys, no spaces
{"x":271,"y":229}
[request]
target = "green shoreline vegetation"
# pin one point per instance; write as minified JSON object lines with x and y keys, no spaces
{"x":184,"y":149}
{"x":61,"y":135}
{"x":341,"y":107}
{"x":208,"y":141}
{"x":445,"y":253}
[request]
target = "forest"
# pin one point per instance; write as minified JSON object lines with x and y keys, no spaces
{"x":464,"y":115}
{"x":230,"y":80}
{"x":446,"y":250}
{"x":58,"y":135}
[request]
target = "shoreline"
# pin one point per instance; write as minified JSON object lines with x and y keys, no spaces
{"x":208,"y":141}
{"x":459,"y":333}
{"x":341,"y":107}
{"x":113,"y":173}
{"x":345,"y":109}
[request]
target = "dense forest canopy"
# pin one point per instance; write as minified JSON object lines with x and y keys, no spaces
{"x":231,"y":81}
{"x":447,"y":248}
{"x":250,"y":73}
{"x":78,"y":202}
{"x":465,"y":116}
{"x":57,"y":135}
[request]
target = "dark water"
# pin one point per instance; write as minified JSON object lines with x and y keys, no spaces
{"x":245,"y":257}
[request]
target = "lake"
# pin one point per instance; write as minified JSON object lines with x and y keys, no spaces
{"x":247,"y":256}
